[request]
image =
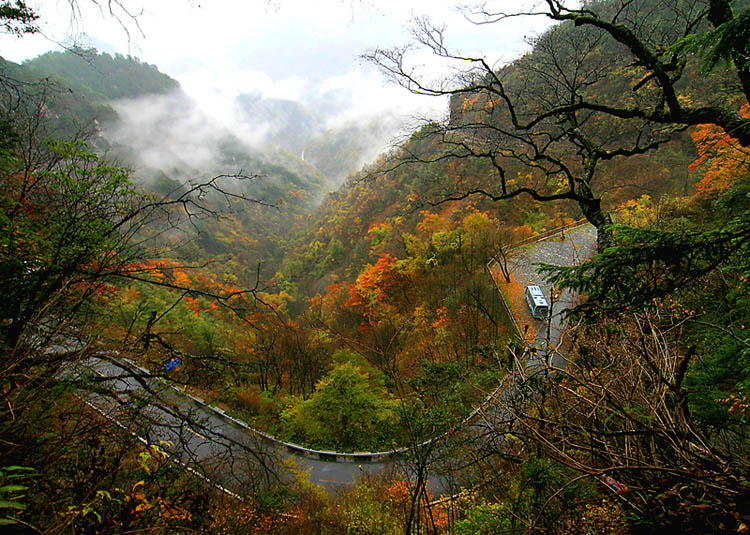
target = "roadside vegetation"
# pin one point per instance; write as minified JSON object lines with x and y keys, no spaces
{"x":370,"y":322}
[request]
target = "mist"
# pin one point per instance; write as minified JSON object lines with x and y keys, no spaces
{"x":165,"y":132}
{"x":184,"y":138}
{"x":238,"y":62}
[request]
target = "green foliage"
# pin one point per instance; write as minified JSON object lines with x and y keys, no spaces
{"x":708,"y":235}
{"x":347,"y":412}
{"x":542,"y":491}
{"x":484,"y":519}
{"x":718,"y":47}
{"x":12,"y":493}
{"x":536,"y":494}
{"x":405,"y":286}
{"x":60,"y":228}
{"x":9,"y":139}
{"x":439,"y":397}
{"x":99,"y":77}
{"x":720,"y":375}
{"x":647,"y":264}
{"x":17,"y":18}
{"x":365,"y":512}
{"x":347,"y":356}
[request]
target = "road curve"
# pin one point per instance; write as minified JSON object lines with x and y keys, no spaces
{"x":239,"y":459}
{"x":220,"y":448}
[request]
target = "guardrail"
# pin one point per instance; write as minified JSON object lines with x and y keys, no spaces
{"x":516,"y":245}
{"x":326,"y":455}
{"x":516,"y":328}
{"x":547,"y":233}
{"x":290,"y":447}
{"x":378,"y":456}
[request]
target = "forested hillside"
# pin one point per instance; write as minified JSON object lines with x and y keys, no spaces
{"x":100,"y":77}
{"x":143,"y":120}
{"x":364,"y":319}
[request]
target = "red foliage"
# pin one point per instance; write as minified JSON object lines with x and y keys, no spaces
{"x":376,"y":282}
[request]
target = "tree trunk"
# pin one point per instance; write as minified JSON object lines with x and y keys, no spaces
{"x":602,"y":220}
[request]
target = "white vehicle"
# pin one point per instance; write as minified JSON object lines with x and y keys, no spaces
{"x":537,"y":302}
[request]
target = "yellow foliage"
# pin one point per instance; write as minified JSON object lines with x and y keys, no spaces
{"x":641,"y":212}
{"x":181,"y":279}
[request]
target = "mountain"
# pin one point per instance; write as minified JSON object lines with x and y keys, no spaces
{"x":285,"y":123}
{"x":100,"y":77}
{"x":336,"y":148}
{"x":342,"y":150}
{"x":374,"y":323}
{"x":142,"y":118}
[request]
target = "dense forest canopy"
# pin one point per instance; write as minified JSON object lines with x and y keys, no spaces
{"x":607,"y":83}
{"x":366,"y":318}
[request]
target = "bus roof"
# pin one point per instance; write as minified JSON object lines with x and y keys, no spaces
{"x":537,"y":295}
{"x":535,"y":290}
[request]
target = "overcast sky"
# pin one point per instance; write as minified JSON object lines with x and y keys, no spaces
{"x":301,"y":50}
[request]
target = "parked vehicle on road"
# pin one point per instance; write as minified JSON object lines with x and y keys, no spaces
{"x":537,"y":302}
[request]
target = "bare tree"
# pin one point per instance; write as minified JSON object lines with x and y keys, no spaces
{"x":608,"y":82}
{"x":620,"y":414}
{"x":72,"y":225}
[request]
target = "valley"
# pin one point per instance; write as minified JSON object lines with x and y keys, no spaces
{"x":273,"y":321}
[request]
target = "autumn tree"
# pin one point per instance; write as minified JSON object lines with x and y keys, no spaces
{"x":624,"y":408}
{"x":658,"y":260}
{"x":654,"y":393}
{"x":73,"y":231}
{"x":653,"y":400}
{"x":75,"y":226}
{"x":606,"y":83}
{"x":76,"y":237}
{"x":349,"y":410}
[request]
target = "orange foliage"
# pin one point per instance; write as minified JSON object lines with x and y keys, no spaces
{"x":375,"y":283}
{"x":333,"y":293}
{"x":181,"y":279}
{"x":431,"y":223}
{"x":442,"y":320}
{"x":193,"y":304}
{"x":130,"y":295}
{"x":524,"y":231}
{"x":397,"y":492}
{"x":470,"y":103}
{"x":441,"y":515}
{"x":726,"y":159}
{"x":243,"y":517}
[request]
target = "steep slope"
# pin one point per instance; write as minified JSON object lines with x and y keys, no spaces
{"x":337,"y":147}
{"x":143,"y":119}
{"x":99,"y":77}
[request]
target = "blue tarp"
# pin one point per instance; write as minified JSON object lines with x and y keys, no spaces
{"x":172,"y":364}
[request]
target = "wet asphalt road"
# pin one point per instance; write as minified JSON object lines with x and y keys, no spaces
{"x":568,"y":248}
{"x":240,"y":460}
{"x":201,"y":437}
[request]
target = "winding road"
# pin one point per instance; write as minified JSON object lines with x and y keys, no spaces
{"x":239,"y":459}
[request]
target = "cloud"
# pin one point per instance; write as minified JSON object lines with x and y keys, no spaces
{"x":166,"y":131}
{"x":284,"y":49}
